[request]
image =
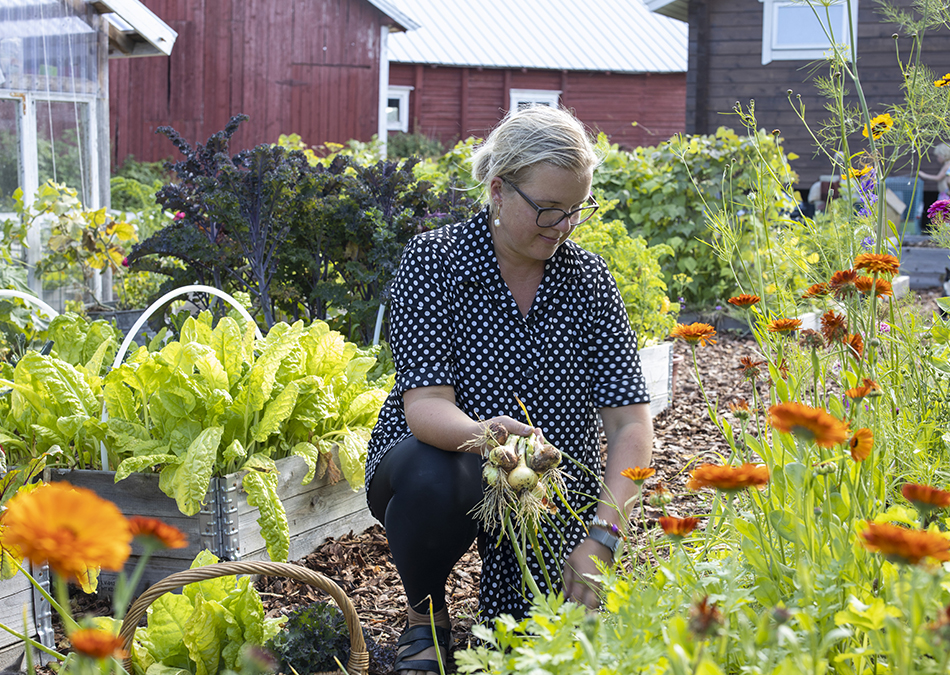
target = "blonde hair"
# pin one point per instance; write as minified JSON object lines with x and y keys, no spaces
{"x":942,"y":152}
{"x":530,"y":136}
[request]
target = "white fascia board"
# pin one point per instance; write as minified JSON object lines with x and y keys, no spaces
{"x":675,"y":9}
{"x":151,"y":36}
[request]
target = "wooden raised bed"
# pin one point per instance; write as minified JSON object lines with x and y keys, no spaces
{"x":925,"y":265}
{"x":227,"y":526}
{"x":17,"y":594}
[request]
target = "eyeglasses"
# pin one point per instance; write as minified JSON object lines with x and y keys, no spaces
{"x":549,"y":217}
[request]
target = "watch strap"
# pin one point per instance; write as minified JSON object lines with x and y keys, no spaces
{"x":605,"y":538}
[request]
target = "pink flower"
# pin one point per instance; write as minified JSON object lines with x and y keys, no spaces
{"x":939,"y":211}
{"x":125,"y":262}
{"x":180,"y":215}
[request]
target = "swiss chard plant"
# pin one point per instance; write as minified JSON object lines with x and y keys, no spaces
{"x":217,"y":402}
{"x":204,"y":630}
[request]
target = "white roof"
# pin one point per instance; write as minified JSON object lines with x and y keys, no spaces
{"x":136,"y":30}
{"x":390,"y":9}
{"x":678,"y":9}
{"x":619,"y":36}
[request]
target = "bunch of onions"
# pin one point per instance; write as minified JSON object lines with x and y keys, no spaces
{"x":522,"y":478}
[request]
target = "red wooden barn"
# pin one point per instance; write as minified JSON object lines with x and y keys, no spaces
{"x":312,"y":67}
{"x":621,"y":68}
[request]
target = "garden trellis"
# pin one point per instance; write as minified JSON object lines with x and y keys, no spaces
{"x":54,"y":99}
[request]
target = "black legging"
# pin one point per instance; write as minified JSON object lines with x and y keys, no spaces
{"x":424,"y":497}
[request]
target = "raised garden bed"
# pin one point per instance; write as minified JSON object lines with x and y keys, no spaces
{"x":922,"y":261}
{"x":17,"y":595}
{"x":227,"y":525}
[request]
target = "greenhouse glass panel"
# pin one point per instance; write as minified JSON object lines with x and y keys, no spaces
{"x":9,"y":154}
{"x":48,"y":47}
{"x":62,"y":145}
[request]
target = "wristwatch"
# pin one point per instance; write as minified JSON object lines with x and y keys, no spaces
{"x":605,"y":538}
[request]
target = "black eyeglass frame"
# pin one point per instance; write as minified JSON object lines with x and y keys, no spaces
{"x":542,"y":209}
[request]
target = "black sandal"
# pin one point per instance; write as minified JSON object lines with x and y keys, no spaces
{"x":416,"y":639}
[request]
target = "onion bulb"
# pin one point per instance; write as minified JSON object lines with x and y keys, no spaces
{"x":544,"y":458}
{"x":522,"y":478}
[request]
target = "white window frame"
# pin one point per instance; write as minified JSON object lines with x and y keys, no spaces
{"x":806,"y":51}
{"x":549,"y":97}
{"x":401,"y":93}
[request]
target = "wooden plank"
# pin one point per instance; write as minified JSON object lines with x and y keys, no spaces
{"x":138,"y":495}
{"x":315,"y":511}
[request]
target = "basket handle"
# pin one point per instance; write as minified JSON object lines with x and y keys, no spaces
{"x":358,"y":663}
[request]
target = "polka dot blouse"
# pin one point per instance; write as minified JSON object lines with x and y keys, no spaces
{"x":454,"y":322}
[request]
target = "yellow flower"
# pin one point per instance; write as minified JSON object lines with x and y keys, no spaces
{"x":903,"y":545}
{"x":68,"y":527}
{"x":694,"y":332}
{"x":943,"y":81}
{"x":811,"y":424}
{"x":97,"y":644}
{"x":880,"y":125}
{"x":857,"y":173}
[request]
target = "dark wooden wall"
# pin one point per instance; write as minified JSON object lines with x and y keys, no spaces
{"x":309,"y":67}
{"x":452,"y":103}
{"x":725,"y":67}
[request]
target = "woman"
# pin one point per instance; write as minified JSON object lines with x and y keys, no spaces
{"x":942,"y":153}
{"x":484,"y":311}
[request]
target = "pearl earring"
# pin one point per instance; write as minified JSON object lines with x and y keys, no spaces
{"x":497,"y":223}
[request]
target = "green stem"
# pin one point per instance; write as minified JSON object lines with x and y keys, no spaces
{"x":519,"y":554}
{"x":33,"y":643}
{"x":60,"y":609}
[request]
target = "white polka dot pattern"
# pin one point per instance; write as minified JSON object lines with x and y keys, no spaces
{"x":454,"y":322}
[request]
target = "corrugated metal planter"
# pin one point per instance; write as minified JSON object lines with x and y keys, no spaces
{"x":657,"y":364}
{"x":16,"y":595}
{"x":227,"y":525}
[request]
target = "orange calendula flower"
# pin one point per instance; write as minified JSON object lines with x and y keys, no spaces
{"x":97,"y":644}
{"x":869,"y":388}
{"x":740,"y":409}
{"x":637,"y":474}
{"x":882,"y":287}
{"x":705,"y":619}
{"x":924,"y":497}
{"x":728,"y":478}
{"x":861,"y":444}
{"x":842,"y":283}
{"x":943,"y":81}
{"x":856,"y":344}
{"x":166,"y":536}
{"x":810,"y":424}
{"x":811,"y":339}
{"x":834,"y":326}
{"x":744,"y":300}
{"x":815,"y":290}
{"x":749,"y":367}
{"x":784,"y":325}
{"x":882,"y":263}
{"x":694,"y":333}
{"x":879,"y":126}
{"x":903,"y":545}
{"x":68,"y":527}
{"x":677,"y":528}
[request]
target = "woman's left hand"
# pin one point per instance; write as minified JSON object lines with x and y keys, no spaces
{"x":578,"y":568}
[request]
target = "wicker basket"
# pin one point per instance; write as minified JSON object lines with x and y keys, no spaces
{"x":358,"y":663}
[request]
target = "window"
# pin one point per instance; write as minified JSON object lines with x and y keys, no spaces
{"x":397,"y":109}
{"x":794,"y":31}
{"x":525,"y":98}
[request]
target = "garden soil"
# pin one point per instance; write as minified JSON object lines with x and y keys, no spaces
{"x":684,"y":436}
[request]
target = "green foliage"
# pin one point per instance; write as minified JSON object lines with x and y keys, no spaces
{"x":205,"y":629}
{"x":217,"y":402}
{"x":145,"y":173}
{"x":314,"y":639}
{"x":636,"y":269}
{"x":400,"y":145}
{"x":664,"y":193}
